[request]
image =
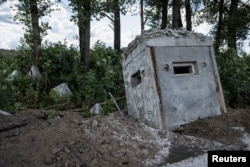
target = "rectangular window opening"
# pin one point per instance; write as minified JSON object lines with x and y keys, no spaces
{"x":136,"y":79}
{"x":184,"y":68}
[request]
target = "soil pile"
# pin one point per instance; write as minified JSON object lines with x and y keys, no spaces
{"x":226,"y":128}
{"x":30,"y":139}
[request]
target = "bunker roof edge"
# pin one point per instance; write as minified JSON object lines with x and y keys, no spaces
{"x":154,"y":33}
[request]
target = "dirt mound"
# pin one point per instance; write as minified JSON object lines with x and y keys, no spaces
{"x":226,"y":128}
{"x":30,"y":139}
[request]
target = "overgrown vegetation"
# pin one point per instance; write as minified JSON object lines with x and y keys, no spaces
{"x":60,"y":64}
{"x":91,"y":78}
{"x":235,"y":78}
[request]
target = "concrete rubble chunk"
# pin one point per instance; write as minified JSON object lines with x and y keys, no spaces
{"x":4,"y":113}
{"x":96,"y":109}
{"x":55,"y":150}
{"x":63,"y":90}
{"x":94,"y":124}
{"x":12,"y":75}
{"x":34,"y":72}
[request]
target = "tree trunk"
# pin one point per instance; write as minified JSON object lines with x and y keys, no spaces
{"x":179,"y":15}
{"x":117,"y":26}
{"x":36,"y":38}
{"x":176,"y":22}
{"x":84,"y":18}
{"x":188,"y":15}
{"x":142,"y":15}
{"x":164,"y":14}
{"x":232,"y":25}
{"x":218,"y":36}
{"x":87,"y":43}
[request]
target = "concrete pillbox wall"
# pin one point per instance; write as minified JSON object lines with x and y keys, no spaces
{"x":171,"y":78}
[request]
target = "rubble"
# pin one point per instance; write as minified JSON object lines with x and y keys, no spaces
{"x":34,"y":72}
{"x":4,"y":112}
{"x":63,"y":90}
{"x":12,"y":75}
{"x":113,"y":140}
{"x":96,"y":109}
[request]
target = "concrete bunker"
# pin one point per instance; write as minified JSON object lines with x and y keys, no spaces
{"x":171,"y":78}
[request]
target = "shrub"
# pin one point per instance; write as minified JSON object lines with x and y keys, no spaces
{"x":235,"y":78}
{"x":104,"y":76}
{"x":60,"y":64}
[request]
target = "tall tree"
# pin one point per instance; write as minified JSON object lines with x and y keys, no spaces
{"x":231,"y":20}
{"x":117,"y":26}
{"x":164,"y":14}
{"x":156,"y":13}
{"x":29,"y":12}
{"x":142,"y":15}
{"x":83,"y":12}
{"x":188,"y":15}
{"x":36,"y":38}
{"x":220,"y":26}
{"x":176,"y":16}
{"x":112,"y":9}
{"x":232,"y":24}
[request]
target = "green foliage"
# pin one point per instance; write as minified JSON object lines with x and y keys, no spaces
{"x":6,"y":65}
{"x":11,"y":87}
{"x":108,"y":108}
{"x":23,"y":59}
{"x":104,"y":76}
{"x":55,"y":96}
{"x":86,"y":114}
{"x":235,"y":19}
{"x":110,"y":5}
{"x":12,"y":93}
{"x":51,"y":114}
{"x":153,"y":13}
{"x":60,"y":64}
{"x":24,"y":9}
{"x":235,"y":78}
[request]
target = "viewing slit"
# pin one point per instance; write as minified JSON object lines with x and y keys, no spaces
{"x":183,"y":70}
{"x":136,"y":79}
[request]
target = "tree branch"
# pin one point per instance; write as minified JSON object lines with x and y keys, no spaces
{"x":109,"y":17}
{"x":245,"y":5}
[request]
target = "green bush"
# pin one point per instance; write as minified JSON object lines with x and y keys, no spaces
{"x":104,"y":76}
{"x":51,"y":114}
{"x":235,"y":78}
{"x":59,"y":64}
{"x":13,"y":93}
